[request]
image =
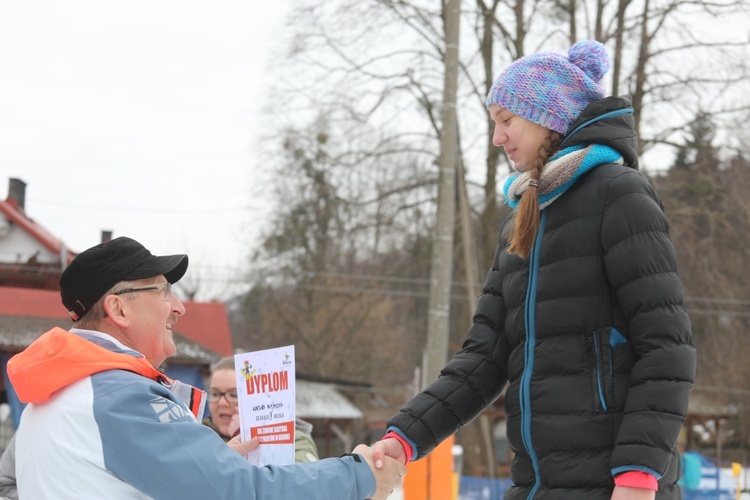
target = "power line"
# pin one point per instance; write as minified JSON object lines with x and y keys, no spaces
{"x":351,"y":289}
{"x":720,"y":300}
{"x":369,"y":277}
{"x":132,"y":209}
{"x":716,"y":312}
{"x":729,"y":390}
{"x":422,"y":282}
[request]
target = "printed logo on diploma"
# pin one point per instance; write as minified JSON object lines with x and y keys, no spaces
{"x":266,"y":397}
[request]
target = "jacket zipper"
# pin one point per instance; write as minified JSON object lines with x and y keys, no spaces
{"x":525,"y":389}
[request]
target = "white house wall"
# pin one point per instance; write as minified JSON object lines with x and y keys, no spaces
{"x":18,"y":247}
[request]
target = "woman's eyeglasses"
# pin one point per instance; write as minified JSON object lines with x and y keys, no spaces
{"x":215,"y":396}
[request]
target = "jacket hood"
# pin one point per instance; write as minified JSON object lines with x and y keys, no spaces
{"x":59,"y":358}
{"x":610,"y":122}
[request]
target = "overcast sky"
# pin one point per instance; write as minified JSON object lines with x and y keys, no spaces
{"x":139,"y":117}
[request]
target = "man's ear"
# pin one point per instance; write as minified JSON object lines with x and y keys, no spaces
{"x":115,"y":310}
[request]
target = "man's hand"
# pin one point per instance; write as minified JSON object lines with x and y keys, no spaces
{"x":387,"y":476}
{"x":628,"y":493}
{"x":388,"y":448}
{"x":243,"y":448}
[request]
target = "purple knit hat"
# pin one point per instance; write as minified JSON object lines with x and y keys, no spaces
{"x":550,"y":89}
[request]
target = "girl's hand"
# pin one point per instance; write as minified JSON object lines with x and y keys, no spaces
{"x":243,"y":448}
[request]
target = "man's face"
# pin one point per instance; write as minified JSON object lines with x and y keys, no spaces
{"x":153,"y":312}
{"x":224,"y":413}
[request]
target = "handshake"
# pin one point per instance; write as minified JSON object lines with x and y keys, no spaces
{"x":388,"y":473}
{"x":385,"y":459}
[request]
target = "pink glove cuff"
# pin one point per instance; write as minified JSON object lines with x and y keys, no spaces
{"x":637,"y":479}
{"x":406,"y":446}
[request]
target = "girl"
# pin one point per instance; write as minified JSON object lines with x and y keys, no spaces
{"x":582,"y":311}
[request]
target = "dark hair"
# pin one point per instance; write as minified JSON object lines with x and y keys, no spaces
{"x":525,"y":224}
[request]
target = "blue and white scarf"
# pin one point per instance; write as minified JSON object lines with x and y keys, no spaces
{"x":561,"y":172}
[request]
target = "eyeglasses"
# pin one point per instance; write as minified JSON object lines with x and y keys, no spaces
{"x":215,"y":396}
{"x":166,"y":284}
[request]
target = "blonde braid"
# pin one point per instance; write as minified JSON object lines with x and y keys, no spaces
{"x":526,"y":215}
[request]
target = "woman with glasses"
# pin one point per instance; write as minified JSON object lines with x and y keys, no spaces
{"x":222,"y":400}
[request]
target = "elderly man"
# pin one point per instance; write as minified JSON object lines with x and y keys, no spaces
{"x":104,"y":422}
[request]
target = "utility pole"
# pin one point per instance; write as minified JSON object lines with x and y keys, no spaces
{"x":467,"y":241}
{"x":441,"y":269}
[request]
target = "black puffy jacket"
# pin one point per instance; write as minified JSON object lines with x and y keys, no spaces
{"x":589,"y":331}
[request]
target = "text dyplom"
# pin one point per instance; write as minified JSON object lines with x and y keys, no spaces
{"x":267,"y":382}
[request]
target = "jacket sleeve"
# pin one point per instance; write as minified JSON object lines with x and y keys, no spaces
{"x":8,"y":487}
{"x":152,"y":442}
{"x":640,"y":263}
{"x":470,"y":382}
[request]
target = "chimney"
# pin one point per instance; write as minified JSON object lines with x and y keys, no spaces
{"x":106,"y":236}
{"x":17,"y":192}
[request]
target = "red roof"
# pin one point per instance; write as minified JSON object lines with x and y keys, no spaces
{"x":11,"y":210}
{"x":205,"y":323}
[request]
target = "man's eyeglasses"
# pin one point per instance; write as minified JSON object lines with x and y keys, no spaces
{"x":215,"y":396}
{"x":165,"y":284}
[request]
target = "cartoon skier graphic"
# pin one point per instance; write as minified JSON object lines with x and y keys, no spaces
{"x":248,"y":371}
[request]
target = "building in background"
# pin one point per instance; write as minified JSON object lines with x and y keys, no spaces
{"x":31,"y":262}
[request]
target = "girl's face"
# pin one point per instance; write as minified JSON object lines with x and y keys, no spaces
{"x":520,"y":138}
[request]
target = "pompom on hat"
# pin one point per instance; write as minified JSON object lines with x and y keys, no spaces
{"x":551,"y":89}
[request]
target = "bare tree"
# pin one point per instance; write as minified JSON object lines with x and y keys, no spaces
{"x":334,"y":236}
{"x":705,"y":198}
{"x":375,"y":68}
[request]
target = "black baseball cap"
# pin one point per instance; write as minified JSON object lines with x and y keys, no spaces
{"x":96,"y":270}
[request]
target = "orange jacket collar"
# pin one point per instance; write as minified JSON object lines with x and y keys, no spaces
{"x":59,"y":358}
